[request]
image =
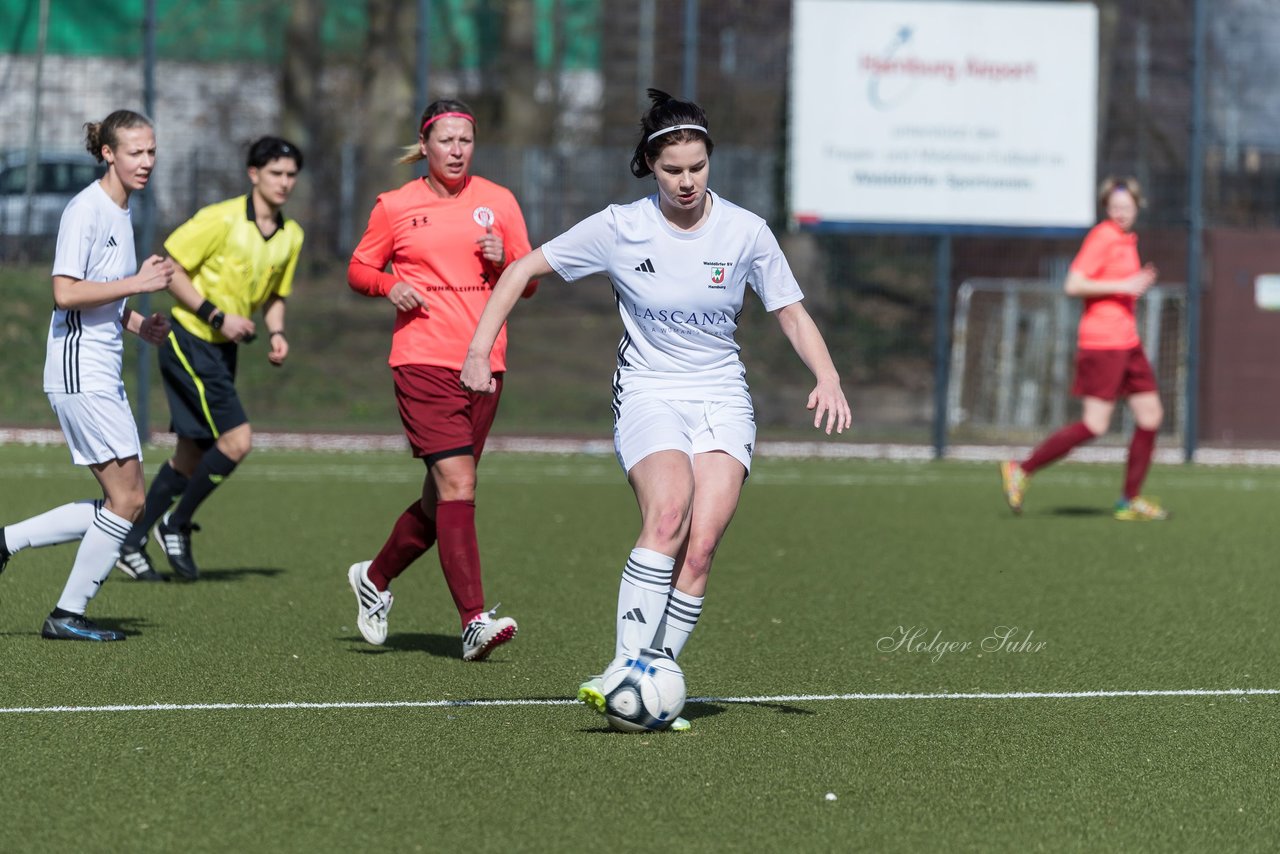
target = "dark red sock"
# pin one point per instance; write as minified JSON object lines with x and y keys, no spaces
{"x":1141,"y":448}
{"x":460,"y":556}
{"x":413,"y":534}
{"x":1057,"y":446}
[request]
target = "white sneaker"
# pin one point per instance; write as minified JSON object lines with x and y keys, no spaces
{"x":372,"y":604}
{"x":483,"y":634}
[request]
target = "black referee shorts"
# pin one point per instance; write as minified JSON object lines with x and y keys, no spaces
{"x":200,"y":382}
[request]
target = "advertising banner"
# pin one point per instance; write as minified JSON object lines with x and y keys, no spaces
{"x":943,"y":113}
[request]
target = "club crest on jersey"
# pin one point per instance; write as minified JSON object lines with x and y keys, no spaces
{"x":483,"y":216}
{"x":717,"y":273}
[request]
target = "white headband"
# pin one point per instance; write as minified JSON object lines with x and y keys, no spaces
{"x":654,"y":136}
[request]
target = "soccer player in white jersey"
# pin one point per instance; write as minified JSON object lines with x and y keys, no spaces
{"x":94,"y":271}
{"x":680,"y":261}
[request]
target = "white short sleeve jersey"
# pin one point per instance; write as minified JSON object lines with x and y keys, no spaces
{"x":679,"y":293}
{"x":95,"y":244}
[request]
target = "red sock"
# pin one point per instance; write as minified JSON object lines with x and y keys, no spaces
{"x":460,"y":556}
{"x":1057,"y":446}
{"x":1141,"y":447}
{"x":413,"y":534}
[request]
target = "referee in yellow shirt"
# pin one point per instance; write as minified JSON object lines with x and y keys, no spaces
{"x":231,"y":259}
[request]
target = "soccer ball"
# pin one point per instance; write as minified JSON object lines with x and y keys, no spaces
{"x":643,"y":693}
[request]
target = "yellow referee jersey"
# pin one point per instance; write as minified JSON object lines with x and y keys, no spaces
{"x":231,"y":264}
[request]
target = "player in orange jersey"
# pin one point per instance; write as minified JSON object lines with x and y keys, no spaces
{"x":447,"y":236}
{"x":1110,"y":362}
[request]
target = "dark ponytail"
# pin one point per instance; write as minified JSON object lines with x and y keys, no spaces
{"x":107,"y":131}
{"x":667,"y":112}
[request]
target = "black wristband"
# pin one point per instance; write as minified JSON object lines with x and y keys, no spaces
{"x":276,"y":332}
{"x":205,"y":310}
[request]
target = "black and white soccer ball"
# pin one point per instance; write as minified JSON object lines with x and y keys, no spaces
{"x":643,"y":693}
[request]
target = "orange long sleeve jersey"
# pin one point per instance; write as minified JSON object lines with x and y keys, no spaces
{"x":430,"y":243}
{"x":1108,"y":254}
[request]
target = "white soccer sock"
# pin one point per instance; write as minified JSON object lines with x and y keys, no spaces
{"x":97,"y":555}
{"x":59,"y":525}
{"x":678,"y":622}
{"x":642,"y":596}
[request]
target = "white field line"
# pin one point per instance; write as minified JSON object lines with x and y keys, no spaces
{"x":835,"y":448}
{"x":513,"y":470}
{"x":778,"y":698}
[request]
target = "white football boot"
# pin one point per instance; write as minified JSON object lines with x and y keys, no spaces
{"x":484,"y":633}
{"x":372,"y":604}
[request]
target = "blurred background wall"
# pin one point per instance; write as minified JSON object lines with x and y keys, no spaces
{"x":558,"y":86}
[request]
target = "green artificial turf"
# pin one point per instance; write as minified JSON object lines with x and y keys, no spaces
{"x":823,"y":563}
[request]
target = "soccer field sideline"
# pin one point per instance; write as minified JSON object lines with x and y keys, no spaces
{"x":604,"y":470}
{"x":834,"y":448}
{"x":776,"y":698}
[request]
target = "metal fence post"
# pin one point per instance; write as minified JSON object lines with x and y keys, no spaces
{"x":941,"y":343}
{"x":148,"y":224}
{"x":690,"y":90}
{"x":33,"y":137}
{"x":1195,"y":231}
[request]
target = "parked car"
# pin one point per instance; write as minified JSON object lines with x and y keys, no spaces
{"x":59,"y":177}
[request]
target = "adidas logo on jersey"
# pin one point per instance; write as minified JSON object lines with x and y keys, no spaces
{"x":635,"y":614}
{"x":111,"y":241}
{"x":646,"y":267}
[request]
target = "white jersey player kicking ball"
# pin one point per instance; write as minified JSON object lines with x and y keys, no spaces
{"x":680,"y":262}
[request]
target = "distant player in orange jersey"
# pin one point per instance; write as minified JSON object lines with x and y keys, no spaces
{"x":1110,"y":362}
{"x":447,"y":236}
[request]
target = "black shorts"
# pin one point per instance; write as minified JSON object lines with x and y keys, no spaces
{"x":200,"y":383}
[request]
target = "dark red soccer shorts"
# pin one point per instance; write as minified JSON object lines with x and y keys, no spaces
{"x":1110,"y":374}
{"x":440,"y":418}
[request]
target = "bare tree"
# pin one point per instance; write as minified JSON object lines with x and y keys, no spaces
{"x":387,"y":106}
{"x":525,"y":121}
{"x":302,"y":121}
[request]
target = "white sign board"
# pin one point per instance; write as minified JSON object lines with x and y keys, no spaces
{"x":1266,"y":292}
{"x":944,"y":113}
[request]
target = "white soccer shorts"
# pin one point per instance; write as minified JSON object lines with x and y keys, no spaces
{"x":99,"y":426}
{"x":648,"y":424}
